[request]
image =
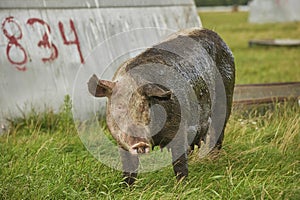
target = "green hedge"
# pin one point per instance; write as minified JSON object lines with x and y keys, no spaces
{"x":220,"y":2}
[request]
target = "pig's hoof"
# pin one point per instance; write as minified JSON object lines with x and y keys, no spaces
{"x":140,"y":148}
{"x":129,"y":178}
{"x":181,"y":178}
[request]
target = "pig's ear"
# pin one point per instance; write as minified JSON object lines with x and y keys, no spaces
{"x":100,"y":88}
{"x":155,"y":90}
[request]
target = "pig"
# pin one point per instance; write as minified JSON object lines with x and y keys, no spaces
{"x":136,"y":99}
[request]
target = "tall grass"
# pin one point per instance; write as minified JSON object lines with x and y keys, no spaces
{"x":260,"y":160}
{"x":42,"y":157}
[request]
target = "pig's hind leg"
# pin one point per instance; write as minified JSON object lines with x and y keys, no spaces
{"x":130,"y":164}
{"x":180,"y":163}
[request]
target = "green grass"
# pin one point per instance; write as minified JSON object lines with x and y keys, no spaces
{"x":42,"y":157}
{"x":257,"y":64}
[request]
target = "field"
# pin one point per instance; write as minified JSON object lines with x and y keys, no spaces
{"x":42,"y":157}
{"x":263,"y":64}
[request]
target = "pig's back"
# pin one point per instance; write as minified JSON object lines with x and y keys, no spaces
{"x":196,"y":54}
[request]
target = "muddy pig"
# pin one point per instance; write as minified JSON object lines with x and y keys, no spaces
{"x":173,"y":95}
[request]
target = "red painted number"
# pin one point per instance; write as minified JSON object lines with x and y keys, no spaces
{"x":13,"y":32}
{"x":13,"y":41}
{"x":69,"y":42}
{"x":45,"y":42}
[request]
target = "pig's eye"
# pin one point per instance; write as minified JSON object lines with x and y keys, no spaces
{"x":164,"y":98}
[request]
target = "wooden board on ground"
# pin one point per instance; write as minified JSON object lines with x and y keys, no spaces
{"x":250,"y":94}
{"x":275,"y":42}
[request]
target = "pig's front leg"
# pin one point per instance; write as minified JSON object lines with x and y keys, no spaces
{"x":130,"y":164}
{"x":180,"y":163}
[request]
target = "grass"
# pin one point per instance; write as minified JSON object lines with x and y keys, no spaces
{"x":257,"y":64}
{"x":42,"y":157}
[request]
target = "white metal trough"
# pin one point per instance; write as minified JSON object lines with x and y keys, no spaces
{"x":43,"y":44}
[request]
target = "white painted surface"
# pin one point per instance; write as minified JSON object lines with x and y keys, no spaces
{"x":45,"y":83}
{"x":222,"y":9}
{"x":266,"y":11}
{"x":90,"y":3}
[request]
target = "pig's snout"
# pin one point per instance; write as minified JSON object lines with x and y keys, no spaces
{"x":140,"y":148}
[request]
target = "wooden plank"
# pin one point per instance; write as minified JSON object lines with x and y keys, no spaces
{"x":265,"y":93}
{"x":275,"y":42}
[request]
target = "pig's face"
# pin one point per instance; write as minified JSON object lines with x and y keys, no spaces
{"x":128,"y":110}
